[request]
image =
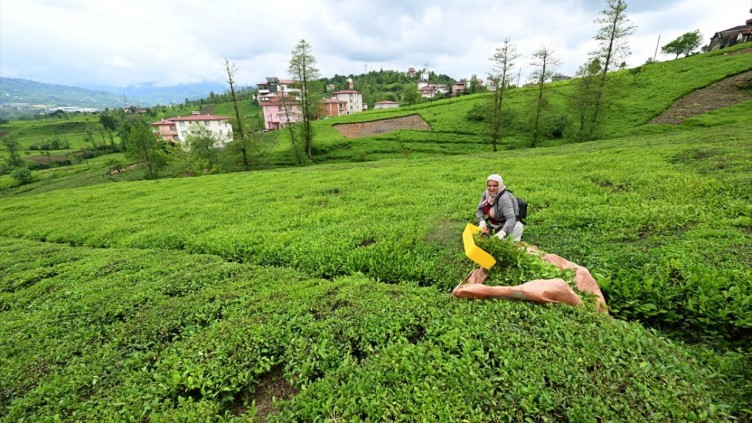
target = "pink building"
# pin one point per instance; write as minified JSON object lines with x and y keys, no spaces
{"x":279,"y":110}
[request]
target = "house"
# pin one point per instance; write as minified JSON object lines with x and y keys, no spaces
{"x":458,"y":87}
{"x":279,"y":109}
{"x":411,"y":72}
{"x":182,"y":127}
{"x":274,"y":85}
{"x":167,"y":130}
{"x":386,"y":104}
{"x":353,"y":98}
{"x":560,"y":77}
{"x":731,"y":36}
{"x":427,"y":91}
{"x":330,"y":107}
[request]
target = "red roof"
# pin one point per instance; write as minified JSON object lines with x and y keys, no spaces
{"x":163,"y":122}
{"x":333,"y":100}
{"x":198,"y":118}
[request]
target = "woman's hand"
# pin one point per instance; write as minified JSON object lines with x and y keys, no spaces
{"x":485,"y":230}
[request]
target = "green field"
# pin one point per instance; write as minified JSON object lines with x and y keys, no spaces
{"x":321,"y":292}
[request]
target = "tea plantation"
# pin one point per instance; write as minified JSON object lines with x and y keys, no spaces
{"x":321,"y":293}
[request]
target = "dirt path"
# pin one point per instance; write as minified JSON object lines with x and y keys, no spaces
{"x":365,"y":129}
{"x":723,"y":93}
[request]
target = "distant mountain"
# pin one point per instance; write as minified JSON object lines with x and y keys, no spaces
{"x":22,"y":93}
{"x":150,"y":94}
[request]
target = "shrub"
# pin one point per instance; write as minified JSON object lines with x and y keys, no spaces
{"x":477,"y":113}
{"x":22,"y":175}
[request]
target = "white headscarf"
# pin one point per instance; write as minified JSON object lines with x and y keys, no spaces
{"x":492,"y":198}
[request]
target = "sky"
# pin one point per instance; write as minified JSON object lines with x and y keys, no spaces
{"x":171,"y":42}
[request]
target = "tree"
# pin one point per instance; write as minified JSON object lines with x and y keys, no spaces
{"x":545,"y":65}
{"x":303,"y":70}
{"x":615,"y":28}
{"x":108,"y":121}
{"x":11,"y":144}
{"x":251,"y":143}
{"x":636,"y":72}
{"x":288,"y":104}
{"x":232,"y":69}
{"x":684,"y":44}
{"x":583,"y":99}
{"x":202,"y":154}
{"x":141,"y":144}
{"x":502,"y":64}
{"x":410,"y":94}
{"x":473,"y":84}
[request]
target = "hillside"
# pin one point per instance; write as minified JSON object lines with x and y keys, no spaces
{"x":17,"y":96}
{"x":14,"y":91}
{"x":322,"y":292}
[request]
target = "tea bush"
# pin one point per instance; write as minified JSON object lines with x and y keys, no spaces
{"x":623,"y":208}
{"x":123,"y":334}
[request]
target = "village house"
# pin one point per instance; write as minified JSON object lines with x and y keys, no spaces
{"x":177,"y":129}
{"x":458,"y":87}
{"x":353,"y":98}
{"x":279,"y":109}
{"x":429,"y":90}
{"x":330,"y":107}
{"x":731,"y":36}
{"x":274,"y":85}
{"x":386,"y":104}
{"x":167,"y":130}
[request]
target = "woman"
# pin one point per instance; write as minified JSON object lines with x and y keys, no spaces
{"x":500,"y":207}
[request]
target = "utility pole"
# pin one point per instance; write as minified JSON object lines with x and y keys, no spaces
{"x":656,"y":47}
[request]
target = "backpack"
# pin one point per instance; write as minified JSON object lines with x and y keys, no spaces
{"x":522,"y":207}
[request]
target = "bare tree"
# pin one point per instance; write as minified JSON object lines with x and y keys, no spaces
{"x":232,"y":70}
{"x":502,"y":64}
{"x":287,"y":103}
{"x":612,"y":36}
{"x":303,"y":70}
{"x":545,"y":64}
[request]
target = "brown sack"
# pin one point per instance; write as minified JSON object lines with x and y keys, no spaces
{"x":539,"y":290}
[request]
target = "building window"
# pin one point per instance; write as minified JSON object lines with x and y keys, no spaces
{"x":184,"y":134}
{"x":206,"y":123}
{"x":173,"y":128}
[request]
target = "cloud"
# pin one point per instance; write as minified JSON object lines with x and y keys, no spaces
{"x":118,"y":62}
{"x":78,"y":42}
